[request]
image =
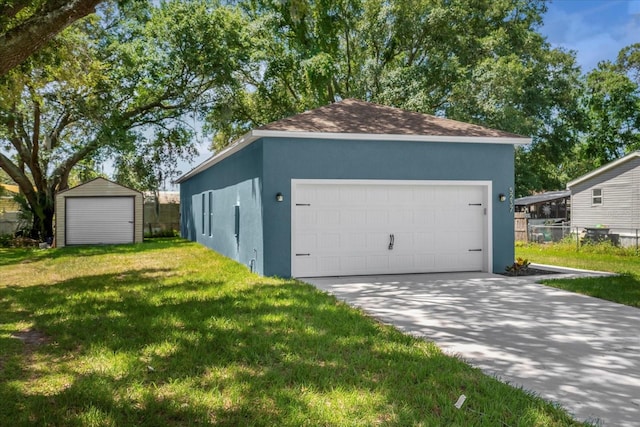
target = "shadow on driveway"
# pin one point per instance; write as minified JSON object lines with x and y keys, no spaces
{"x":578,"y":351}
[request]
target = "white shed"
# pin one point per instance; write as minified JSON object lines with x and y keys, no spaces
{"x":99,"y":212}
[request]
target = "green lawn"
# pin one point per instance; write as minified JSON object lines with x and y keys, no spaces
{"x":623,"y":289}
{"x":170,"y":333}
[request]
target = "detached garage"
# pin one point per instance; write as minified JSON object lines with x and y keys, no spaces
{"x":98,"y":212}
{"x":355,"y":188}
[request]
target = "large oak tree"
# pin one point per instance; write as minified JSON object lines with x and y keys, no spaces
{"x":116,"y":87}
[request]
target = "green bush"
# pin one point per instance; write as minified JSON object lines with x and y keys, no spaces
{"x":162,"y":233}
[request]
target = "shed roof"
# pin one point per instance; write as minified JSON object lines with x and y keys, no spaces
{"x":542,"y":197}
{"x":352,"y":119}
{"x":601,"y":169}
{"x":98,"y":181}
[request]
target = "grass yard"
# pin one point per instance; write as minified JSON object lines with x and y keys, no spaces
{"x":623,"y":289}
{"x":170,"y":333}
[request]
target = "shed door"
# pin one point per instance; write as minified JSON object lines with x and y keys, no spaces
{"x":373,"y":228}
{"x":99,"y":220}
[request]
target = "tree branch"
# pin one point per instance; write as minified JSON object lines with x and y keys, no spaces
{"x":17,"y":44}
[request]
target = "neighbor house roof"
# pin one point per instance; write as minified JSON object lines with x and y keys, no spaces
{"x":604,"y":168}
{"x":11,"y":188}
{"x":352,"y":119}
{"x":542,"y":197}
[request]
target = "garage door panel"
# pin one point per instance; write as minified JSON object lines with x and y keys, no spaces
{"x":402,"y":263}
{"x":99,"y":220}
{"x":328,"y":217}
{"x":377,"y":218}
{"x":329,"y":241}
{"x":353,"y":218}
{"x":424,"y":218}
{"x":308,"y":265}
{"x":401,"y":217}
{"x":356,"y":241}
{"x":403,"y":242}
{"x":306,"y":218}
{"x":350,"y":196}
{"x":356,"y":264}
{"x":433,"y":227}
{"x":377,"y":241}
{"x":377,"y":263}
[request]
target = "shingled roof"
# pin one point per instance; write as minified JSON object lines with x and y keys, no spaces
{"x":354,"y":116}
{"x":352,"y":119}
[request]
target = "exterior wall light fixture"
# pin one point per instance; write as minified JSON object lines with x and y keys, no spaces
{"x":279,"y":197}
{"x":502,"y":197}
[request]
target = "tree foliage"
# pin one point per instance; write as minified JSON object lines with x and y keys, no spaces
{"x":612,"y":108}
{"x":107,"y":83}
{"x":481,"y":61}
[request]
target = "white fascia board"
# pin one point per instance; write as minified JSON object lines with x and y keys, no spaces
{"x":393,"y":137}
{"x":238,"y":145}
{"x":604,"y":168}
{"x":254,"y":135}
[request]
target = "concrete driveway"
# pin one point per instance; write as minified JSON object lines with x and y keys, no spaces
{"x":578,"y":351}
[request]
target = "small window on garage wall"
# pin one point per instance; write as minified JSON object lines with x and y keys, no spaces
{"x":210,"y":216}
{"x":204,"y":212}
{"x":596,"y":197}
{"x":237,"y":223}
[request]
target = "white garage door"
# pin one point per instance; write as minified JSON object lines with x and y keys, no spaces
{"x":99,"y":220}
{"x":368,"y":227}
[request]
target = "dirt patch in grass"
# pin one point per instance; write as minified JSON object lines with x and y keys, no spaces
{"x":32,"y":337}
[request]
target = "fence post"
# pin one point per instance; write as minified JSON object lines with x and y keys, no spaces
{"x":636,"y":241}
{"x":577,"y":241}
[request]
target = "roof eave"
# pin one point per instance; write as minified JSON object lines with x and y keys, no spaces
{"x":237,"y":145}
{"x":602,"y":169}
{"x":394,"y":137}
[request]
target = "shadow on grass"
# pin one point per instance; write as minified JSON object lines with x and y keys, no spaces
{"x":128,"y":350}
{"x":17,"y":255}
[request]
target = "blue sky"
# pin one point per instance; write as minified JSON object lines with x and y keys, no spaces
{"x":595,"y":29}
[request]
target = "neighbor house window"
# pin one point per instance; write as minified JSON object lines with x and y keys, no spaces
{"x":204,"y":213}
{"x":596,"y":197}
{"x":210,"y":213}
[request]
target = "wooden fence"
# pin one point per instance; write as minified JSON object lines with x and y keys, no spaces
{"x":521,"y":227}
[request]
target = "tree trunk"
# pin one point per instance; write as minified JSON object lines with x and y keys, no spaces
{"x":42,"y":229}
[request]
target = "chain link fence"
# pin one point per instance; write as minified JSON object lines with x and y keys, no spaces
{"x":619,"y":237}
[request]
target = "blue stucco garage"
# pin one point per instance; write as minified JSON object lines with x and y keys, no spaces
{"x":355,"y":188}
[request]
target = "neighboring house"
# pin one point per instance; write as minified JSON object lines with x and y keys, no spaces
{"x":98,"y":212}
{"x":608,"y":199}
{"x":552,"y":205}
{"x":354,"y":188}
{"x":9,"y":209}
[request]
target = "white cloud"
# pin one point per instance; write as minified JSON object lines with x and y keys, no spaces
{"x":595,"y":30}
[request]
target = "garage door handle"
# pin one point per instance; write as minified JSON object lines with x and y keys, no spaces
{"x":475,"y":204}
{"x":130,"y":222}
{"x":303,"y":254}
{"x":475,"y":250}
{"x":392,"y":239}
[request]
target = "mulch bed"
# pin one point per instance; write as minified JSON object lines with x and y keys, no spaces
{"x":529,"y":272}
